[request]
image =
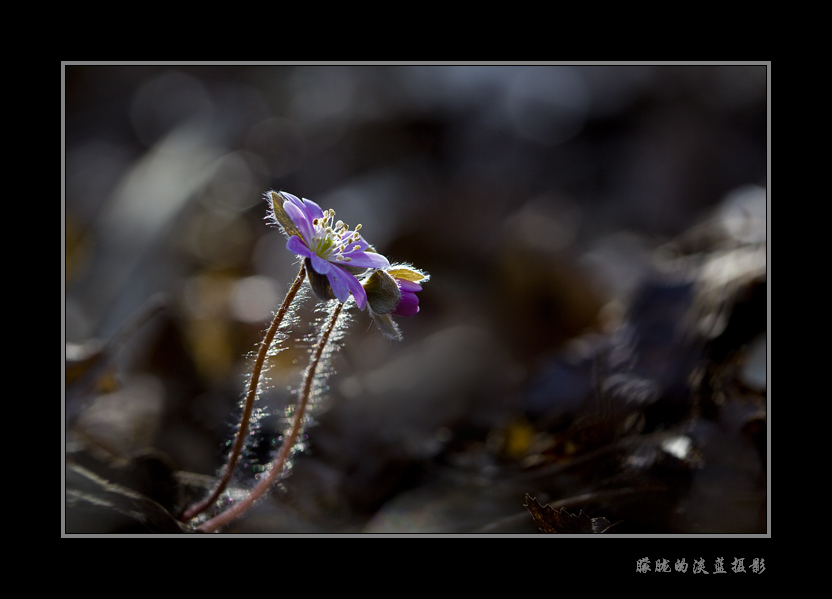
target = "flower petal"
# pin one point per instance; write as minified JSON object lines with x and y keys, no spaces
{"x":291,"y":198}
{"x":338,"y":280}
{"x":313,"y":211}
{"x":309,"y":208}
{"x":321,"y":266}
{"x":296,"y":245}
{"x":363,"y":259}
{"x":357,"y":290}
{"x":406,"y":285}
{"x":408,"y":306}
{"x":300,"y":218}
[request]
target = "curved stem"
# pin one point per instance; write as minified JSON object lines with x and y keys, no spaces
{"x":279,"y":462}
{"x":248,"y":407}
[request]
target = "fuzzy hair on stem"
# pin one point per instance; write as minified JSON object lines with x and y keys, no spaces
{"x":313,"y":385}
{"x":248,"y":405}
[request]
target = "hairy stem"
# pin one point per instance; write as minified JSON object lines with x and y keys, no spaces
{"x":248,"y":407}
{"x":278,"y":464}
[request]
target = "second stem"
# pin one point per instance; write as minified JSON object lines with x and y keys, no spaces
{"x":277,"y":466}
{"x":251,"y":394}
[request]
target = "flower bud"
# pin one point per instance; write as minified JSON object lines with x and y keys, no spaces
{"x":383,"y":294}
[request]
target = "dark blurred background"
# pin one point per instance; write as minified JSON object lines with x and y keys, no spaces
{"x":568,"y":216}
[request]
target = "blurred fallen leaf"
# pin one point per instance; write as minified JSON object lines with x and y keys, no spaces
{"x":88,"y":365}
{"x":560,"y":521}
{"x":97,"y":505}
{"x":81,"y":358}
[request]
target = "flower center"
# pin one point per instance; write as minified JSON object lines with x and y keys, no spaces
{"x":331,"y":241}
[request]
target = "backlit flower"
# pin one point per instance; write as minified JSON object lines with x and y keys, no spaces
{"x":392,"y":291}
{"x":334,"y":254}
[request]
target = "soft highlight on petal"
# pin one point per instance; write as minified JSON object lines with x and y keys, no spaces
{"x":301,"y":220}
{"x":408,"y":305}
{"x":320,"y":265}
{"x":367,"y":260}
{"x":357,"y":290}
{"x":406,"y":285}
{"x":296,"y":245}
{"x":338,"y":281}
{"x":313,"y":211}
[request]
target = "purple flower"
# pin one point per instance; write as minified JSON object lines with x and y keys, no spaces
{"x":409,"y":304}
{"x":330,"y":249}
{"x":392,"y":291}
